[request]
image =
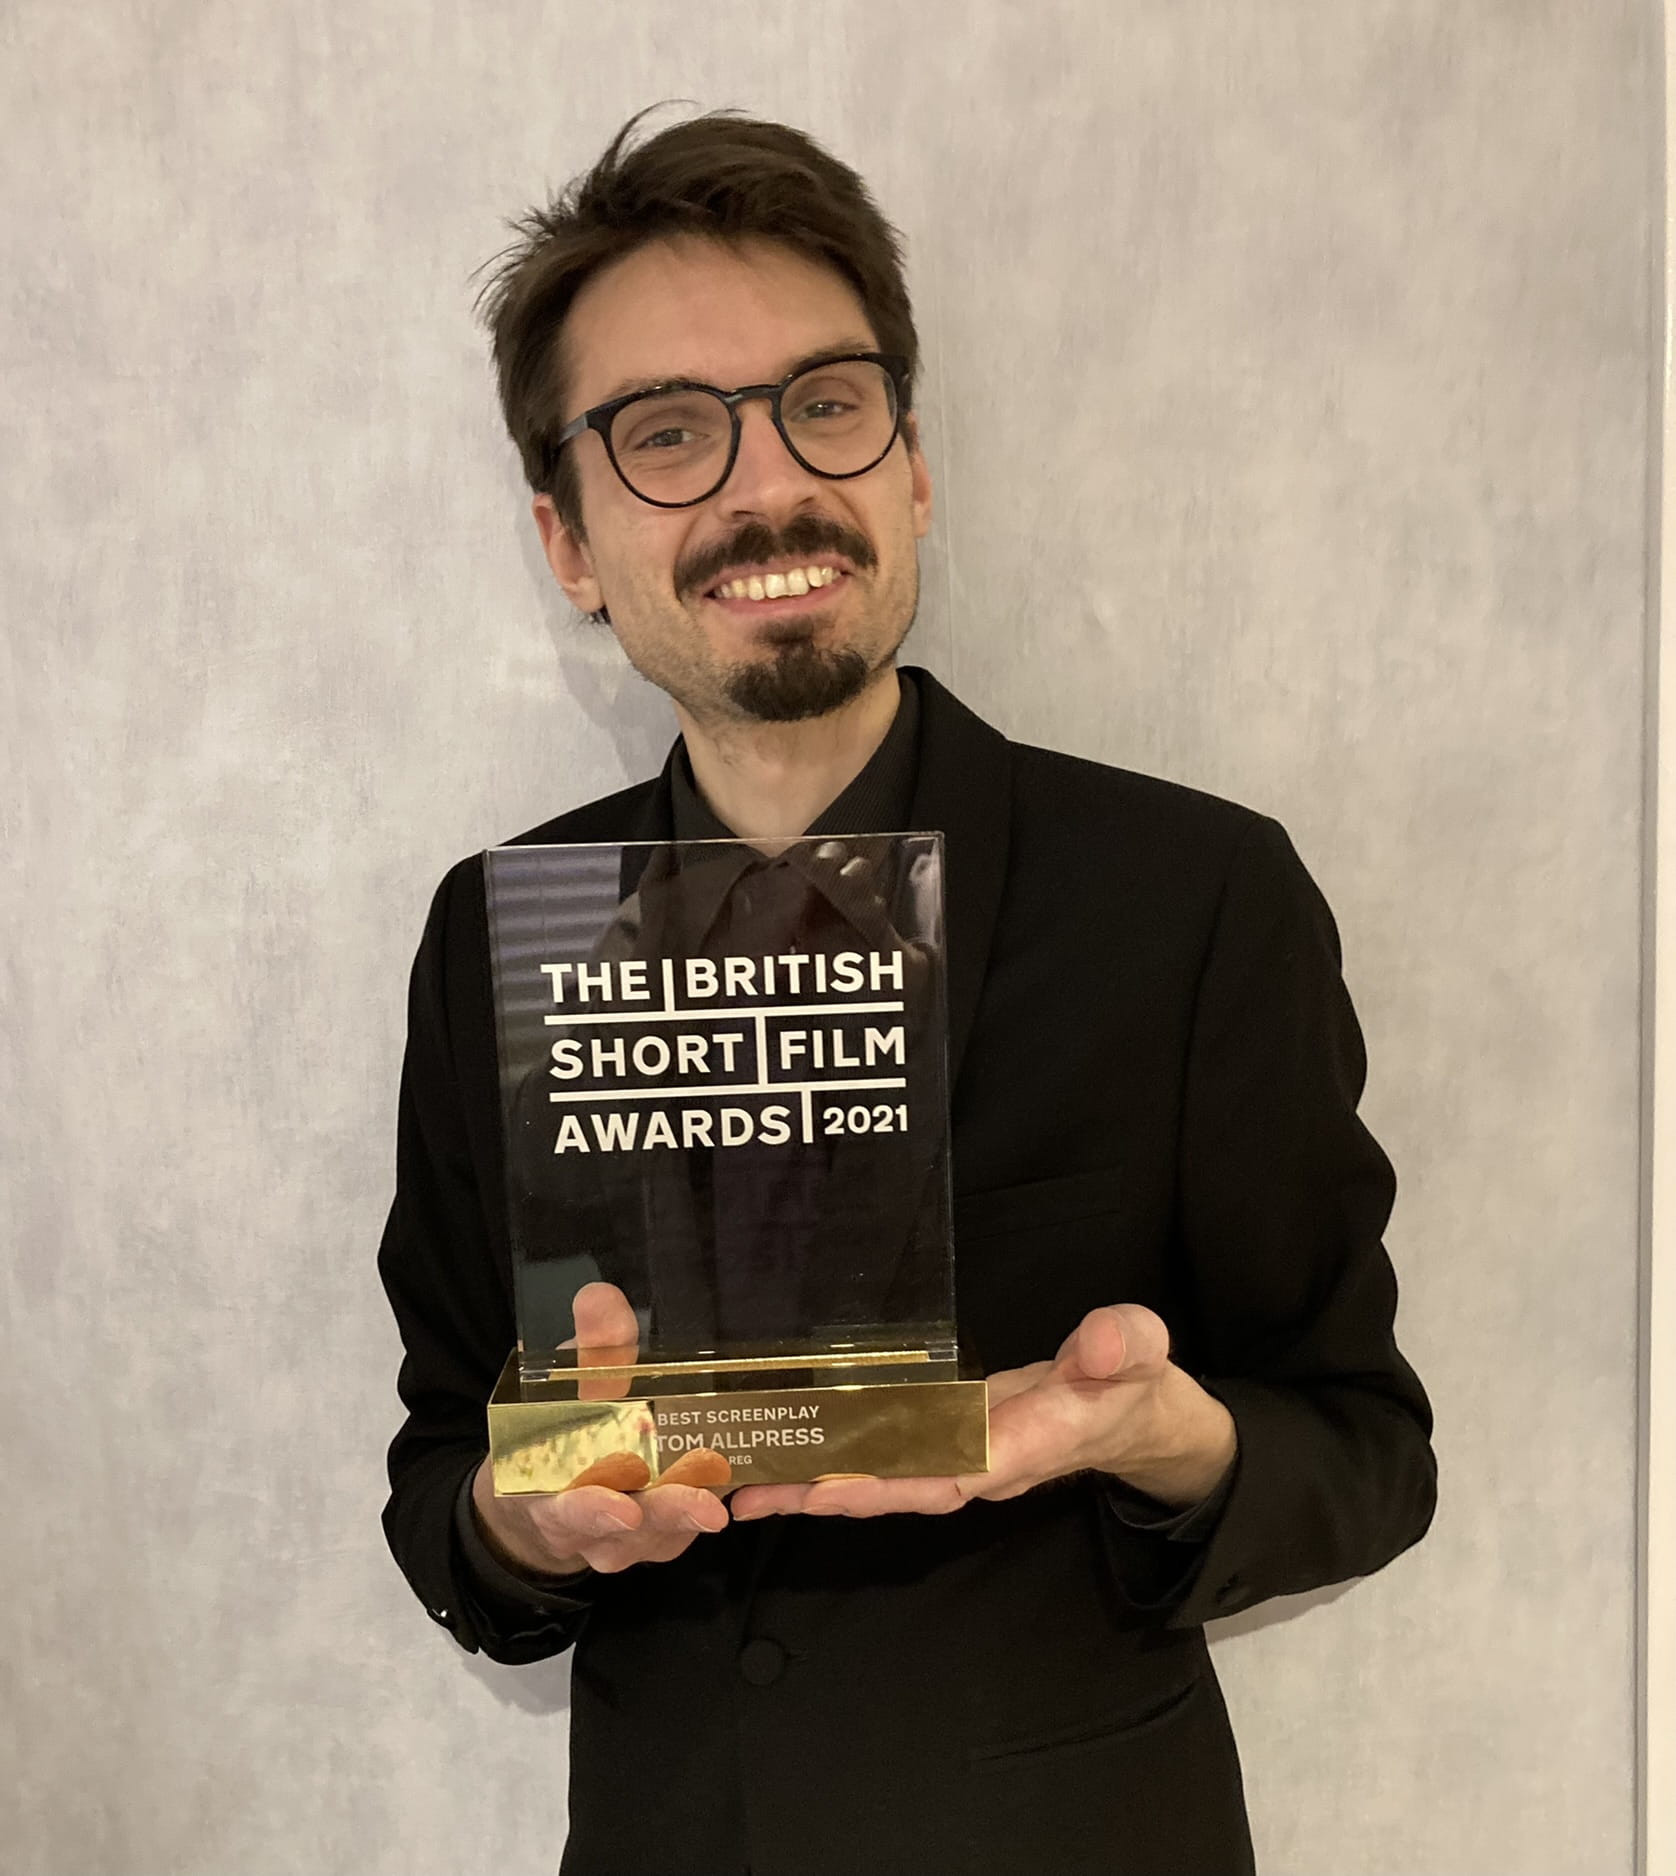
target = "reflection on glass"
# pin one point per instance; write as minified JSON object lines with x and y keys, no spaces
{"x":723,"y":1078}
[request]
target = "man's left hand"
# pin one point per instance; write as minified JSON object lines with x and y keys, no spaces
{"x":1110,"y":1401}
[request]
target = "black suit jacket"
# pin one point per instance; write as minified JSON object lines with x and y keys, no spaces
{"x":1155,"y":1070}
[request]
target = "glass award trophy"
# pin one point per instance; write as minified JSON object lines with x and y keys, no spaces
{"x":723,"y":1073}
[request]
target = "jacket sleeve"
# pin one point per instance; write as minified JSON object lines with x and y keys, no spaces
{"x":446,"y":1271}
{"x":1283,"y":1199}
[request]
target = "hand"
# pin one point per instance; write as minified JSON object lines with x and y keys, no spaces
{"x":1110,"y":1401}
{"x":606,"y":1520}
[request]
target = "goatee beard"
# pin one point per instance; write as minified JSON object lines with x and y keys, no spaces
{"x":798,"y":682}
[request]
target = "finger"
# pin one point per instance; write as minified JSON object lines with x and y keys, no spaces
{"x":569,"y":1519}
{"x":1000,"y":1483}
{"x":613,"y":1384}
{"x":680,"y":1510}
{"x":879,"y":1498}
{"x":604,"y":1319}
{"x":617,"y":1472}
{"x":1121,"y":1342}
{"x":607,"y":1336}
{"x":612,"y":1531}
{"x":766,"y":1501}
{"x":702,"y":1466}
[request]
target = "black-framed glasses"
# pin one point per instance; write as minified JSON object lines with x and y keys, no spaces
{"x":675,"y":445}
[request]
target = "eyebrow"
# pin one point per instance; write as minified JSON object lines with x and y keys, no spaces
{"x":634,"y":387}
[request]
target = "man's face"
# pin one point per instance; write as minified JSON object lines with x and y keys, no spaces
{"x":729,"y":316}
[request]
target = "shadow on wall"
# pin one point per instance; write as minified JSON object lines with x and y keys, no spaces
{"x":542,"y":1688}
{"x":1277,"y":1610}
{"x":593,"y":672}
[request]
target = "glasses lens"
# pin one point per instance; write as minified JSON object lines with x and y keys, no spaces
{"x":672,"y":445}
{"x":841,"y":418}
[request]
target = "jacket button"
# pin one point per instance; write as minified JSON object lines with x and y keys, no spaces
{"x":1229,"y":1591}
{"x":762,"y":1662}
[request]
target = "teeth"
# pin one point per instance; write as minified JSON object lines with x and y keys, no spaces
{"x":795,"y":584}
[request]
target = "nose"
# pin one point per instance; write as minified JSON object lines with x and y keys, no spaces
{"x":766,"y":478}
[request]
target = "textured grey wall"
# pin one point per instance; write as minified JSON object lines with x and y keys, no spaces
{"x":1288,"y":394}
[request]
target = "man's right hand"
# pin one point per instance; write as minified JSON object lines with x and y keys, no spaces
{"x":605,"y":1521}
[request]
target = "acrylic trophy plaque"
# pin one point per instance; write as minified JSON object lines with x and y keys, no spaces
{"x":724,"y":1090}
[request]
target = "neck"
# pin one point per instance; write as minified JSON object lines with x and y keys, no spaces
{"x":773,"y":780}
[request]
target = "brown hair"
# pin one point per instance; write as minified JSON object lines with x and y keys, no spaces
{"x":722,"y":175}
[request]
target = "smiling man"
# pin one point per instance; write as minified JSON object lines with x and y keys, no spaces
{"x":1168,"y":1217}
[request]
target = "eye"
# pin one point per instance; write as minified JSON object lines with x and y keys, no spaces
{"x":671,"y":425}
{"x":821,"y":407}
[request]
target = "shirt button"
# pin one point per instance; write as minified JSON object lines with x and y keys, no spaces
{"x":762,"y":1662}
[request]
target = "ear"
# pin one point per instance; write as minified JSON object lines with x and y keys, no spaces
{"x":568,"y":556}
{"x":920,"y":472}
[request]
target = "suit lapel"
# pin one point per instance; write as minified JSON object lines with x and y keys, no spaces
{"x":964,"y":788}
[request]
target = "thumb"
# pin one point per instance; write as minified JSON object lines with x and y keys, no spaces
{"x":603,"y":1318}
{"x":1122,"y":1342}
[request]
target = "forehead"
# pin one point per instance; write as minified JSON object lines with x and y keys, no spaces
{"x":740,"y":313}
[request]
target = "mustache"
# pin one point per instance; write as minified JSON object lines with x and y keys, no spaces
{"x":803,"y":536}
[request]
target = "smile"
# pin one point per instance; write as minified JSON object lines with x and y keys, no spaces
{"x":784,"y":595}
{"x":792,"y":583}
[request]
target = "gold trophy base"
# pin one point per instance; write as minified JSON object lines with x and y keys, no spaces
{"x":543,"y":1436}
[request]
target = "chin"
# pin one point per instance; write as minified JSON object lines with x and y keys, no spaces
{"x":796,"y":680}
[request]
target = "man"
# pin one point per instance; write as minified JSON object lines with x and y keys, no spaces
{"x":1167,"y":1215}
